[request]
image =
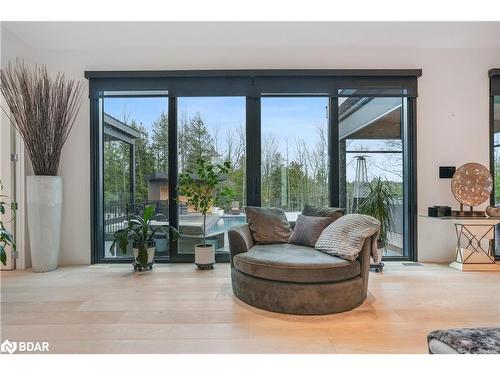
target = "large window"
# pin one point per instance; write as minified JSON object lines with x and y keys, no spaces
{"x":371,"y":152}
{"x":293,"y":138}
{"x":134,"y":163}
{"x":294,"y":147}
{"x":496,"y":164}
{"x":212,"y":128}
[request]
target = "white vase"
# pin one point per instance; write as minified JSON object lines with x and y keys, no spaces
{"x":44,"y":196}
{"x":204,"y":256}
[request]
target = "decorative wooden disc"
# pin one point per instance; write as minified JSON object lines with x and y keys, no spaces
{"x":472,"y":184}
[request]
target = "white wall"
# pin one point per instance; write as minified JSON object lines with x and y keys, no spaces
{"x":452,"y":110}
{"x":12,"y":174}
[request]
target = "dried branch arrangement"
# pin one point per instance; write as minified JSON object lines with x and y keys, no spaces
{"x":43,"y":110}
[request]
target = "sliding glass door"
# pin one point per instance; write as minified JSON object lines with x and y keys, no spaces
{"x":212,"y":129}
{"x":134,"y":134}
{"x":293,"y":138}
{"x":371,"y":157}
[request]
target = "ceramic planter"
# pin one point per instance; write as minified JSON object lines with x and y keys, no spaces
{"x":204,"y":256}
{"x":44,"y":203}
{"x":144,"y":256}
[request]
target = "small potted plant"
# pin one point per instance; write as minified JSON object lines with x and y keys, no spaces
{"x":379,"y":202}
{"x":6,"y":237}
{"x":140,"y":233}
{"x":200,"y":188}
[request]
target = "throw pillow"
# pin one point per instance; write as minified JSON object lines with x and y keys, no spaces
{"x":308,"y":229}
{"x":334,"y":212}
{"x":346,"y":235}
{"x":268,"y":225}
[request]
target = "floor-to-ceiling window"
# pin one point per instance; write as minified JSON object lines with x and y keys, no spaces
{"x":495,"y":146}
{"x":293,"y":138}
{"x":213,"y":129}
{"x":294,"y":153}
{"x":134,"y":163}
{"x":371,"y":160}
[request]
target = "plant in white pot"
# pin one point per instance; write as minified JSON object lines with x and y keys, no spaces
{"x":139,"y":232}
{"x":43,"y":111}
{"x":201,"y":187}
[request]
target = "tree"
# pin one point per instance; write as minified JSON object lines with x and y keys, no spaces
{"x":159,"y":143}
{"x":197,"y":143}
{"x":144,"y":162}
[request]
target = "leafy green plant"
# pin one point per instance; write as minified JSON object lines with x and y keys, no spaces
{"x":202,"y":186}
{"x":379,"y":203}
{"x":6,"y":238}
{"x":140,"y":232}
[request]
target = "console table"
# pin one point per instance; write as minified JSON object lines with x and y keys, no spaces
{"x":475,"y":248}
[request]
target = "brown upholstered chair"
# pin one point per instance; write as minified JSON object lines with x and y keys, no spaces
{"x":294,"y":279}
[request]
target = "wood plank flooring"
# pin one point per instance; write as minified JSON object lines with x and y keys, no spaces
{"x":178,"y":309}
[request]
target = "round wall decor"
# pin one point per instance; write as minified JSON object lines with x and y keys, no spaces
{"x":472,"y":184}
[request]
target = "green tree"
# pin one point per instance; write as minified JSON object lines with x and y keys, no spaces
{"x":159,"y":144}
{"x":196,"y":143}
{"x":144,"y":161}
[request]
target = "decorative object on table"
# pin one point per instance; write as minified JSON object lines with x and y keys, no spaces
{"x":439,"y":211}
{"x":201,"y":188}
{"x":446,"y":172}
{"x":471,"y":186}
{"x":44,"y":125}
{"x":140,"y":232}
{"x":484,"y":340}
{"x":268,"y":225}
{"x":6,"y":237}
{"x":492,"y":211}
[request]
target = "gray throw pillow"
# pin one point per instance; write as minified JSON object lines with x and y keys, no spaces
{"x":308,"y":229}
{"x":346,"y":235}
{"x":334,"y":212}
{"x":268,"y":225}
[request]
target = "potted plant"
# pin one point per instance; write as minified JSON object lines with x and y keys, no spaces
{"x":43,"y":111}
{"x":6,"y":237}
{"x":379,"y":202}
{"x":201,"y":188}
{"x":139,"y":232}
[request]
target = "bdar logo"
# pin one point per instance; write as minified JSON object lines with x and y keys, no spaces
{"x":8,"y":347}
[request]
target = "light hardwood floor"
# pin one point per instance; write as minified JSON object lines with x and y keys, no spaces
{"x":177,"y":309}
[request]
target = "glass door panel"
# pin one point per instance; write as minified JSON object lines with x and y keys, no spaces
{"x":134,"y":164}
{"x":212,"y":129}
{"x":371,"y":152}
{"x":496,"y":164}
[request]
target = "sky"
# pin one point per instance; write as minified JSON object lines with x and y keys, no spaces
{"x":284,"y":118}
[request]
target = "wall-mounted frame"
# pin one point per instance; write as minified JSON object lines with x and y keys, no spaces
{"x":253,"y":85}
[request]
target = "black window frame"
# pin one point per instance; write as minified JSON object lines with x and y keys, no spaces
{"x":494,"y":90}
{"x":253,"y":84}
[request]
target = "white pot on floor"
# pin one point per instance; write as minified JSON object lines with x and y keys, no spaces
{"x":44,"y":203}
{"x":204,"y":256}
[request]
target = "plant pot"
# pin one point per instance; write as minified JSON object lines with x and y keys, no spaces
{"x":44,"y":203}
{"x":204,"y":256}
{"x":144,"y":255}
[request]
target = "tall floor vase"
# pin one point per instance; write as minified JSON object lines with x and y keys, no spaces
{"x":44,"y":196}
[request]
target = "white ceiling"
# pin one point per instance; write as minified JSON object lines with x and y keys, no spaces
{"x":86,"y":36}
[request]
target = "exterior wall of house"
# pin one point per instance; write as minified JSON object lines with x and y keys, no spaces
{"x":452,"y":108}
